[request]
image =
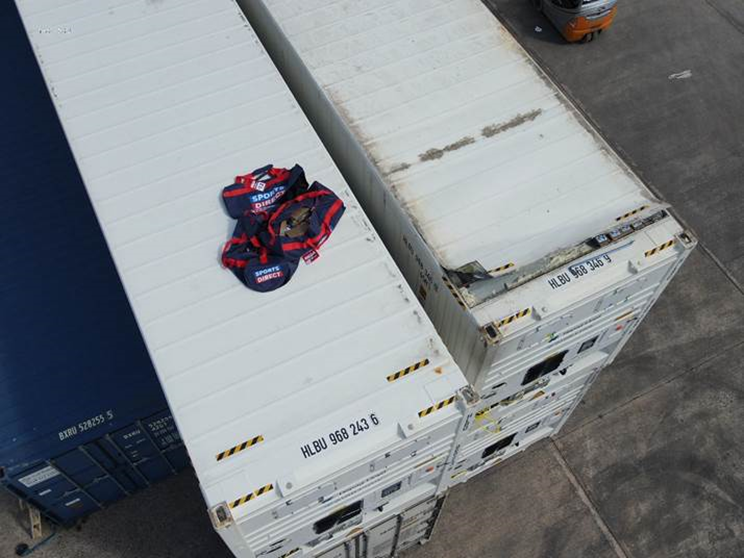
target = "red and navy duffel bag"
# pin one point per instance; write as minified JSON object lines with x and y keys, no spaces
{"x":251,"y":262}
{"x":300,"y":226}
{"x":262,"y":190}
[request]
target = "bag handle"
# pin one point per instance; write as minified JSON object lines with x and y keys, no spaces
{"x":263,"y":253}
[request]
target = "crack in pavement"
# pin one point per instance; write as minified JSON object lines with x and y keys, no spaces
{"x":726,"y":16}
{"x":584,"y":497}
{"x":654,"y":388}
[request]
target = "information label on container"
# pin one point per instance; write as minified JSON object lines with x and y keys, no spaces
{"x":337,"y":436}
{"x":576,"y":272}
{"x":37,"y":477}
{"x":579,"y":270}
{"x":163,"y":430}
{"x":85,"y":425}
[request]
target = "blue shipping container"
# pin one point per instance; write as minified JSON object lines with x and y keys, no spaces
{"x":83,"y":420}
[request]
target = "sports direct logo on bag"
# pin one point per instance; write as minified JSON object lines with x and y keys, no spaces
{"x":263,"y":275}
{"x":262,"y":190}
{"x":266,"y":200}
{"x":280,"y":221}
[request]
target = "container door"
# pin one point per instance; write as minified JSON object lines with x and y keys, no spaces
{"x":108,"y":459}
{"x":162,"y":429}
{"x":98,"y":473}
{"x":379,"y":541}
{"x":417,"y":523}
{"x":139,"y":450}
{"x":50,"y":490}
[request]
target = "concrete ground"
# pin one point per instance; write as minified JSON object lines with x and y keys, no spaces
{"x":652,"y":463}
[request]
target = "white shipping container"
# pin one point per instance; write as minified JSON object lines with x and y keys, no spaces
{"x":529,"y":242}
{"x":307,"y":412}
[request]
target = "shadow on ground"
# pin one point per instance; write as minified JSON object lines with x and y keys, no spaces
{"x":523,"y":508}
{"x":167,"y":520}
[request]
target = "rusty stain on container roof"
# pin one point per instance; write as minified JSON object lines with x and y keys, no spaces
{"x":437,"y":153}
{"x":494,"y":129}
{"x":487,"y":132}
{"x":399,"y":168}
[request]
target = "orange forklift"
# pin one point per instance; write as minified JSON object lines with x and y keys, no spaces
{"x":579,"y":20}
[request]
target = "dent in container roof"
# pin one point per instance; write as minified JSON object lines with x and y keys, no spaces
{"x":163,"y":102}
{"x":486,"y":155}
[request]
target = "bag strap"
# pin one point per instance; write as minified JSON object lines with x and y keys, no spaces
{"x":244,"y":239}
{"x":279,"y":175}
{"x":234,"y":241}
{"x":325,"y":229}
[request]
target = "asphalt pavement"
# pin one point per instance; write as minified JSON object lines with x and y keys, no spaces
{"x":651,"y":465}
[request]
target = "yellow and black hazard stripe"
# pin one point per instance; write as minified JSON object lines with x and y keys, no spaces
{"x":661,"y":247}
{"x":441,"y":405}
{"x":631,"y":213}
{"x":240,"y":447}
{"x":502,"y":268}
{"x":408,"y":370}
{"x":251,"y":496}
{"x":518,"y":315}
{"x":454,"y":291}
{"x":483,"y":412}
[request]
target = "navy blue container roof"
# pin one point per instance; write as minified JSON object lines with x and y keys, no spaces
{"x":69,"y":346}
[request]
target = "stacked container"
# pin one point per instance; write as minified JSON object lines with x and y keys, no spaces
{"x":321,"y":415}
{"x":533,"y":248}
